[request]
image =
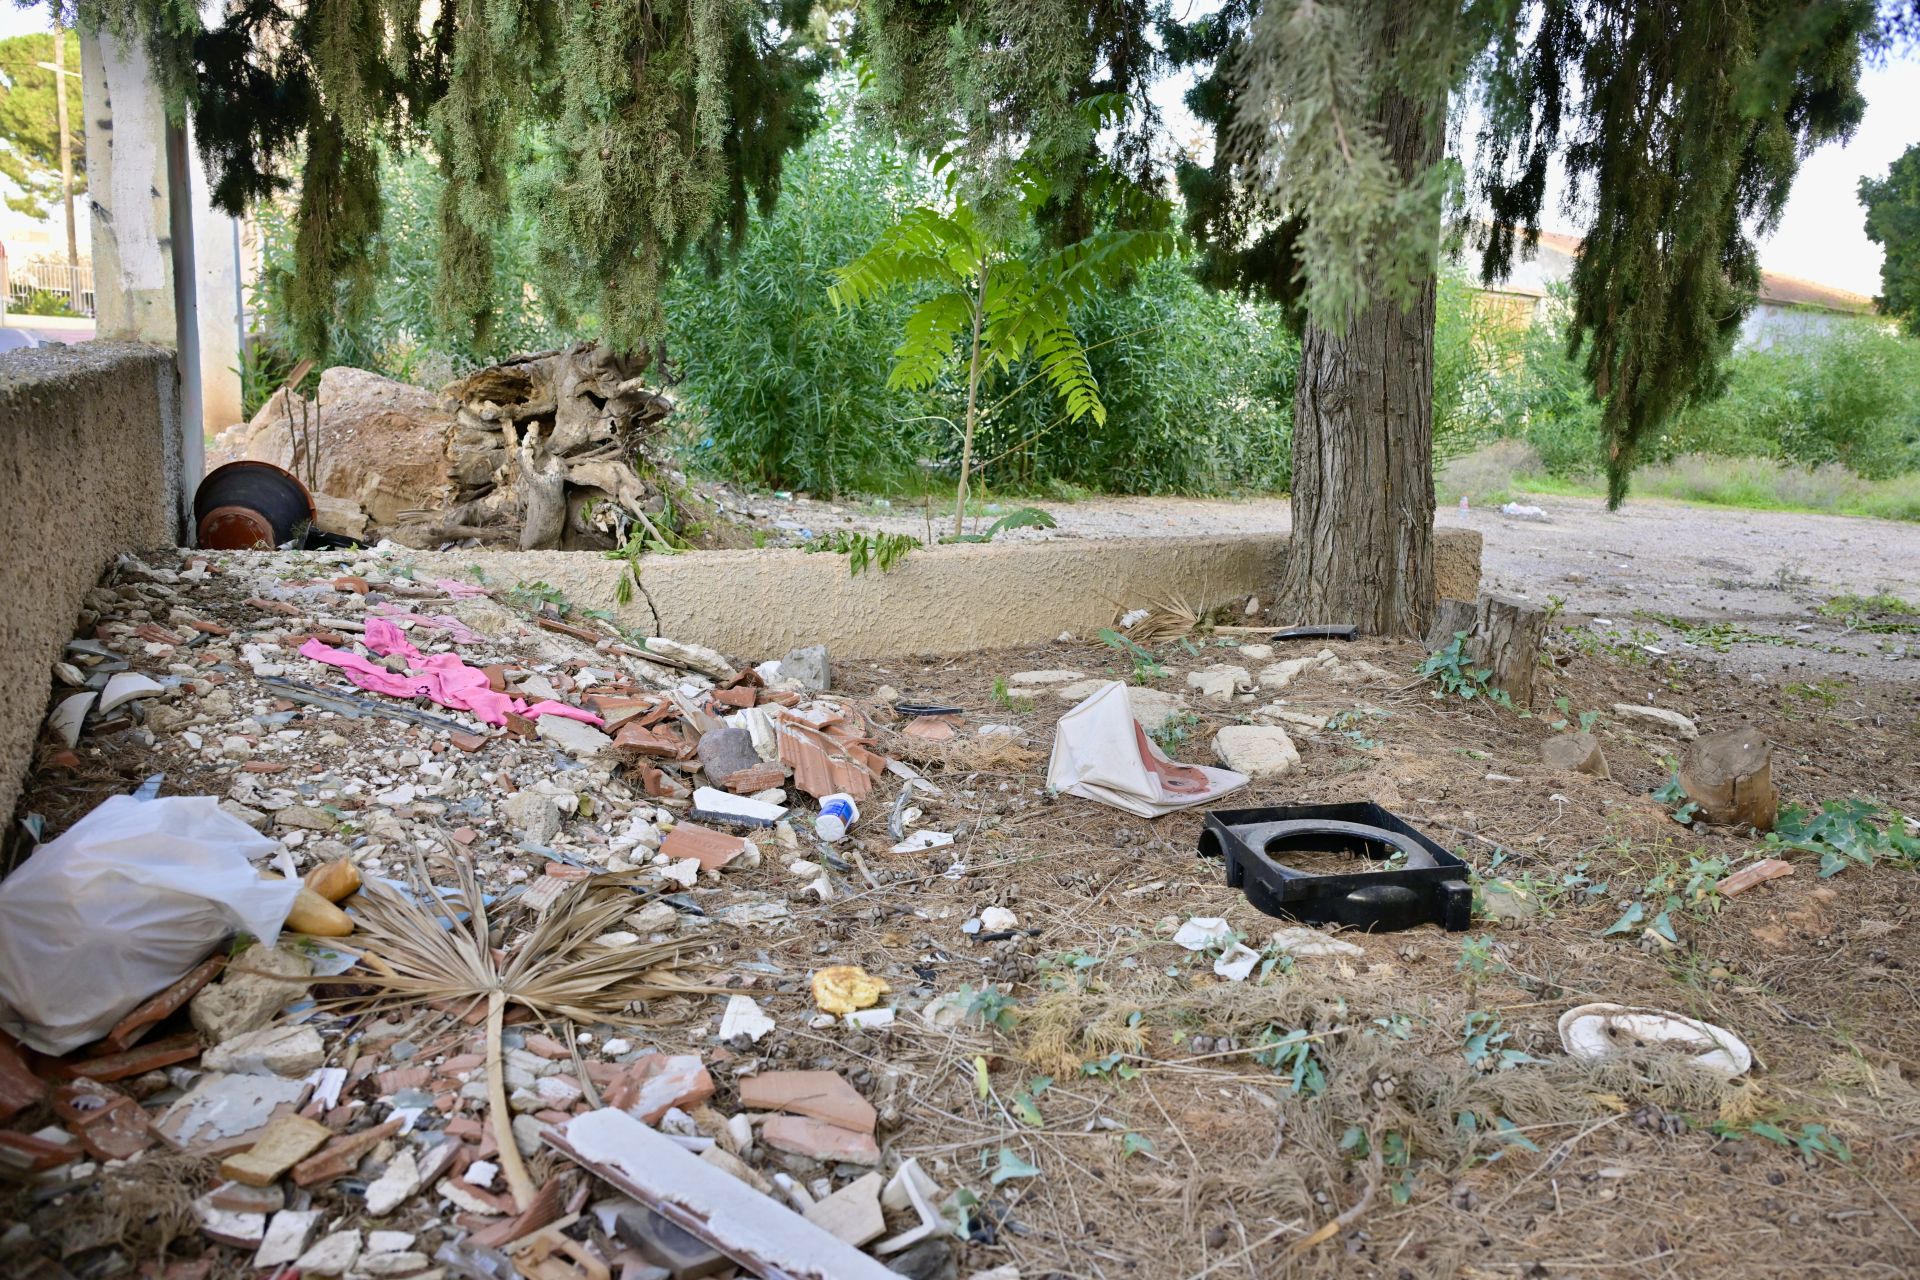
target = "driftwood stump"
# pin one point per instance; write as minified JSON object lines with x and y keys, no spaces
{"x":543,"y":488}
{"x":1729,"y":774}
{"x":1450,"y":617}
{"x":1507,"y":632}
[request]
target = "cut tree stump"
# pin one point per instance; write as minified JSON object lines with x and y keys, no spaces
{"x":1575,"y":752}
{"x":1450,"y":617}
{"x":1505,"y":639}
{"x":1729,"y":774}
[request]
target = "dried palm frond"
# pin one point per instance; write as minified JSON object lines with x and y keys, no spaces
{"x":556,"y":970}
{"x":1168,"y":618}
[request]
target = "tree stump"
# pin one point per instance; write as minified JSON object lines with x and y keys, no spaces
{"x":1450,"y":617}
{"x":1575,"y":753}
{"x":1729,"y":774}
{"x":1506,"y":638}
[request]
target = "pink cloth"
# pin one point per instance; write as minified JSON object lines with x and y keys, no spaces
{"x":443,"y":677}
{"x":457,"y":631}
{"x":460,"y":590}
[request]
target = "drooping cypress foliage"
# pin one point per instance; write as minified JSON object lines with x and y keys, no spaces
{"x":999,"y":86}
{"x":1680,"y":126}
{"x":650,"y":126}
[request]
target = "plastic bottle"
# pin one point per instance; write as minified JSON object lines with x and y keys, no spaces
{"x":837,"y":813}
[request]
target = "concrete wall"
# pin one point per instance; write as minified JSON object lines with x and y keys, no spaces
{"x":955,"y":599}
{"x":89,"y":466}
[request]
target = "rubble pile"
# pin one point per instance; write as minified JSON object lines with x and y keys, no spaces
{"x":555,"y":449}
{"x":490,"y":767}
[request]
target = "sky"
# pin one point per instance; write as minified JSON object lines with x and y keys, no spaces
{"x":1821,"y":236}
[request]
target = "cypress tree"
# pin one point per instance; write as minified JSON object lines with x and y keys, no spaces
{"x":649,"y":128}
{"x":1680,"y":125}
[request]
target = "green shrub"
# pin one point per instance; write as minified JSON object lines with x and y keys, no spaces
{"x":780,"y":389}
{"x":1848,"y":395}
{"x":1199,"y":393}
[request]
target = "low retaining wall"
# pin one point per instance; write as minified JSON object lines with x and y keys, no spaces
{"x":952,"y":599}
{"x":90,"y":468}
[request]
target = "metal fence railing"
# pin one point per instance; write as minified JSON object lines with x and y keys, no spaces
{"x":45,"y":287}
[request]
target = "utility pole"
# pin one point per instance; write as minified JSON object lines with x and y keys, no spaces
{"x":66,"y":142}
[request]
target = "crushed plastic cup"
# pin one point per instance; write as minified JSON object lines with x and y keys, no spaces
{"x":837,"y":813}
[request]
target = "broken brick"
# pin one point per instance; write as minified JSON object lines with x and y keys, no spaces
{"x":737,"y":698}
{"x":287,"y":1141}
{"x":340,"y":1156}
{"x":818,"y":1140}
{"x":392,"y":1082}
{"x":823,"y":1095}
{"x":659,"y":743}
{"x":135,"y":1062}
{"x":27,"y":1154}
{"x":19,"y":1087}
{"x":158,"y":1008}
{"x":712,"y":849}
{"x":467,"y":741}
{"x":744,"y":782}
{"x":655,"y":1084}
{"x":549,"y":1048}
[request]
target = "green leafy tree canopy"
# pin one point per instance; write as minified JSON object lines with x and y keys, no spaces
{"x":29,"y":123}
{"x":1893,"y":223}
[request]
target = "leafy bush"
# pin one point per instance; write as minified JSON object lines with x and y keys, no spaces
{"x":1199,"y":393}
{"x":779,"y":388}
{"x":1847,"y":395}
{"x":782,"y":390}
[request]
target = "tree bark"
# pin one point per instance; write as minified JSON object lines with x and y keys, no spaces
{"x":1362,"y":546}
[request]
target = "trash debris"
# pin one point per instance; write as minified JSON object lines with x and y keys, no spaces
{"x":1101,"y":753}
{"x":837,"y":813}
{"x":744,"y":1017}
{"x":1204,"y":932}
{"x":1430,"y":886}
{"x":1591,"y":1032}
{"x":129,"y":900}
{"x":720,"y":1210}
{"x":1522,"y":511}
{"x":921,"y":841}
{"x":845,"y":987}
{"x":1752,"y":874}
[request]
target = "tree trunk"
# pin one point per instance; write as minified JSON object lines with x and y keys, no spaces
{"x":1362,"y":547}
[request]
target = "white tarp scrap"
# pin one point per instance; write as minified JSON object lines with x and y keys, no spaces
{"x":1100,"y":752}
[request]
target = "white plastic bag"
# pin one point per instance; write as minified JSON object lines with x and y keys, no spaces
{"x":125,"y":903}
{"x":1101,"y":752}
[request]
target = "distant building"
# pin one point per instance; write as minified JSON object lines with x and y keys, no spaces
{"x":1787,"y":306}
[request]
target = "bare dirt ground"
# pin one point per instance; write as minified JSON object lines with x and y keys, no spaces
{"x":1119,"y":1112}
